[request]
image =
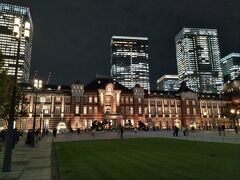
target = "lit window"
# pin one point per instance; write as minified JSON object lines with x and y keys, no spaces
{"x":90,"y":99}
{"x":57,"y":110}
{"x":58,"y":99}
{"x":77,"y":110}
{"x":95,"y":110}
{"x":84,"y":110}
{"x":139,"y":100}
{"x":194,"y":111}
{"x":139,"y":110}
{"x":131,"y":110}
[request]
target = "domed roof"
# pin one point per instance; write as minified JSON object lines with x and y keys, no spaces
{"x":232,"y":86}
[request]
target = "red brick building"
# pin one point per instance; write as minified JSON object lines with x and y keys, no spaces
{"x":78,"y":106}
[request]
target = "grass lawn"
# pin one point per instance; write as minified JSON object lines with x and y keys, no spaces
{"x":148,"y":158}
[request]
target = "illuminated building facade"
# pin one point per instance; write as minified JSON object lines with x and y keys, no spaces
{"x":103,"y":99}
{"x":168,"y":83}
{"x":129,"y":61}
{"x":9,"y":44}
{"x":198,"y":59}
{"x":231,"y":66}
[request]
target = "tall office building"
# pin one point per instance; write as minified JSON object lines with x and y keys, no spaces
{"x":129,"y":61}
{"x":168,"y":83}
{"x":230,"y":65}
{"x":198,"y":59}
{"x":9,"y":43}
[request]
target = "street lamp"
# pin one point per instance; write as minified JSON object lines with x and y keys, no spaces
{"x":235,"y":114}
{"x":18,"y":32}
{"x":37,"y":85}
{"x":42,"y":100}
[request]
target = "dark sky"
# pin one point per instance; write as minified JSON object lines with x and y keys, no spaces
{"x":72,"y":37}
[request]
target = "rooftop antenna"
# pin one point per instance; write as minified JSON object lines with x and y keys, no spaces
{"x":35,"y":74}
{"x":49,"y":76}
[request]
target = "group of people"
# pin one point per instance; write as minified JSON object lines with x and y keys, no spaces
{"x":15,"y":138}
{"x":38,"y":135}
{"x":221,"y":130}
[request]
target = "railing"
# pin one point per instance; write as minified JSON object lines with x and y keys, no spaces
{"x":55,"y":165}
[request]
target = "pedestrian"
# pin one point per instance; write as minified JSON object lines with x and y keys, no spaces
{"x":38,"y":131}
{"x":78,"y":131}
{"x":223,"y":130}
{"x":47,"y":132}
{"x":15,"y":138}
{"x":43,"y":132}
{"x":54,"y":132}
{"x":219,"y":130}
{"x":236,"y":129}
{"x":29,"y":137}
{"x":176,"y":129}
{"x":121,"y":132}
{"x":184,"y":131}
{"x":135,"y":130}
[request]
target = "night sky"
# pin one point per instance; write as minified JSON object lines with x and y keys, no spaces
{"x":72,"y":37}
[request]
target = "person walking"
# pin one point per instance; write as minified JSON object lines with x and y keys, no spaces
{"x":176,"y":129}
{"x":15,"y":138}
{"x":219,"y":130}
{"x":54,"y":132}
{"x":78,"y":131}
{"x":135,"y":130}
{"x":223,"y":130}
{"x":121,"y":132}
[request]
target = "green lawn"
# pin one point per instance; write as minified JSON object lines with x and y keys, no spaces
{"x":148,"y":158}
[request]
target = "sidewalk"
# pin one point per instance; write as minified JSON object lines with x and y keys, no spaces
{"x":29,"y":163}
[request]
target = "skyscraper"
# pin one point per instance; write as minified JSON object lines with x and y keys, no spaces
{"x":230,"y":65}
{"x":9,"y":44}
{"x":129,"y":61}
{"x":168,"y":83}
{"x":198,"y":59}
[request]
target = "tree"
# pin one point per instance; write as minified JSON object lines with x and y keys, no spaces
{"x":6,"y":85}
{"x":5,"y":91}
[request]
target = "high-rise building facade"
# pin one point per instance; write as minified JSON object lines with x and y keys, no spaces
{"x":230,"y":65}
{"x":9,"y":43}
{"x":198,"y":59}
{"x":168,"y":83}
{"x":129,"y":61}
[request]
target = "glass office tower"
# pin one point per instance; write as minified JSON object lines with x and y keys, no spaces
{"x":129,"y":61}
{"x":198,"y":59}
{"x":9,"y":44}
{"x":168,"y":83}
{"x":231,"y":66}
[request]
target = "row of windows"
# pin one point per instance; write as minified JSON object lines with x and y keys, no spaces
{"x":87,"y":110}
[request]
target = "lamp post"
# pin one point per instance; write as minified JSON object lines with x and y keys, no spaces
{"x":37,"y":85}
{"x":18,"y":32}
{"x":42,"y":100}
{"x":235,"y":113}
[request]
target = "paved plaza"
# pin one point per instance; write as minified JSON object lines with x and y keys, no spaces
{"x":209,"y":136}
{"x":35,"y":163}
{"x":29,"y":163}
